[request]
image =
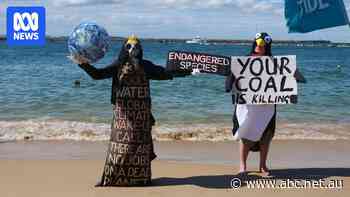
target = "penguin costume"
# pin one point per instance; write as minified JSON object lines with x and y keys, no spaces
{"x":254,"y":124}
{"x":130,"y":150}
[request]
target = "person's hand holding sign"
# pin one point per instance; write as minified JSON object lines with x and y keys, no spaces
{"x":299,"y":77}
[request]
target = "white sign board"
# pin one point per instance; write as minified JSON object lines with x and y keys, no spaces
{"x":264,"y":79}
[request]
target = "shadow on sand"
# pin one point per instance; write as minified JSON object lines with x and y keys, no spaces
{"x":6,"y":141}
{"x":223,"y":181}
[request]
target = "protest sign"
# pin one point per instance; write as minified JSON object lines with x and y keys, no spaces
{"x":205,"y":63}
{"x":264,"y":79}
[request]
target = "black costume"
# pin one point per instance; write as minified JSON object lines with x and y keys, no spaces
{"x":130,"y":149}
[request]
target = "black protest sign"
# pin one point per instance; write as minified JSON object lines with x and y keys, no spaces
{"x":264,"y":79}
{"x":204,"y":63}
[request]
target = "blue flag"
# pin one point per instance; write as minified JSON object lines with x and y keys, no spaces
{"x":309,"y":15}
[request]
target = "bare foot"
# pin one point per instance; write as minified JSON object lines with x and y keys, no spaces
{"x":265,"y":171}
{"x":242,"y":169}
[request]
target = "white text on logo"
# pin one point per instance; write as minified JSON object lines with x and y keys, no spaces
{"x":32,"y":24}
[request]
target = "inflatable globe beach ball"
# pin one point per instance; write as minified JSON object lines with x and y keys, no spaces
{"x":90,"y":41}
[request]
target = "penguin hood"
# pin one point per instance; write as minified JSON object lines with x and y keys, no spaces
{"x":131,"y":50}
{"x":130,"y":58}
{"x":263,"y":40}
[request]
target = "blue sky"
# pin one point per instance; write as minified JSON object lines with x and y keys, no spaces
{"x":228,"y":19}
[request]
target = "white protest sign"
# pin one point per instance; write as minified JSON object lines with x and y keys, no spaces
{"x":264,"y":79}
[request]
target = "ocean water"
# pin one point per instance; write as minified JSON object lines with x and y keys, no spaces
{"x":38,"y":99}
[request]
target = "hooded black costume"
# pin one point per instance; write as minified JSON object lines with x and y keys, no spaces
{"x":130,"y":149}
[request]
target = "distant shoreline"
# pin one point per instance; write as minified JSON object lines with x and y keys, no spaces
{"x":298,"y":43}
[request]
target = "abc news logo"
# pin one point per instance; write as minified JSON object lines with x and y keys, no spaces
{"x":26,"y":25}
{"x":29,"y":29}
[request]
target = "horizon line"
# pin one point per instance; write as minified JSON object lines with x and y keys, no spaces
{"x":4,"y":37}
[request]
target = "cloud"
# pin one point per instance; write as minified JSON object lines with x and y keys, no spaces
{"x":171,"y":18}
{"x":191,"y":3}
{"x":244,"y":5}
{"x":154,"y":3}
{"x":83,"y":2}
{"x":263,"y":6}
{"x":249,"y":6}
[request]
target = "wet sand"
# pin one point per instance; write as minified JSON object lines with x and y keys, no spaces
{"x":67,"y":168}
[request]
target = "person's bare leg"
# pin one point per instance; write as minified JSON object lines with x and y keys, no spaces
{"x":264,"y":150}
{"x":243,"y":155}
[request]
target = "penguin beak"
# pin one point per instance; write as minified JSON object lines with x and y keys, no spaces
{"x":130,"y":47}
{"x":260,"y":42}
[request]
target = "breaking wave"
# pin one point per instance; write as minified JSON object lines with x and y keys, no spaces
{"x":54,"y":129}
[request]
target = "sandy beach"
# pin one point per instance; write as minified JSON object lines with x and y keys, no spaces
{"x":68,"y":168}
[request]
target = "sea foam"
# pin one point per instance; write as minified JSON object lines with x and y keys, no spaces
{"x":54,"y":129}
